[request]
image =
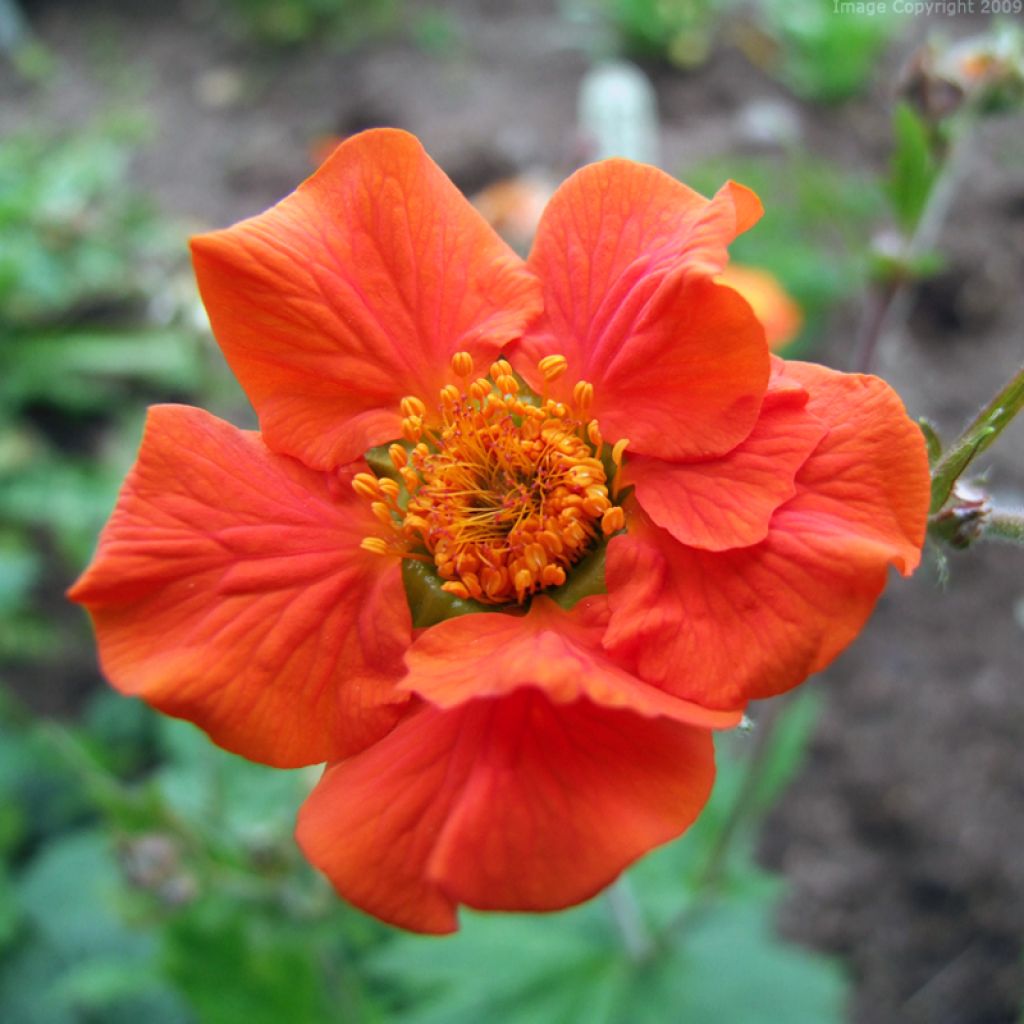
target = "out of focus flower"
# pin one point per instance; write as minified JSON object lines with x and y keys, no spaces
{"x":513,"y":536}
{"x":985,"y":71}
{"x":513,"y":207}
{"x":780,"y":316}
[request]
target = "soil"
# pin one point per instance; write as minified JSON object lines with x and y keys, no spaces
{"x":902,"y":836}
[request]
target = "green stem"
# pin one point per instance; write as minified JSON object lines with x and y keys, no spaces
{"x":889,"y":304}
{"x":740,"y":812}
{"x":1005,"y":525}
{"x":629,"y":920}
{"x":979,"y":435}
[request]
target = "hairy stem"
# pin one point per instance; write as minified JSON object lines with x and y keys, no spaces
{"x":978,"y":435}
{"x":890,"y":303}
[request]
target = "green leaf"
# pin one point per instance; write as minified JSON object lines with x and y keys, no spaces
{"x":96,"y":369}
{"x":71,"y":892}
{"x":236,"y":969}
{"x":913,"y":169}
{"x":238,"y":805}
{"x":569,"y":967}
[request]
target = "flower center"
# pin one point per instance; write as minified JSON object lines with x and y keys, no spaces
{"x":505,"y":493}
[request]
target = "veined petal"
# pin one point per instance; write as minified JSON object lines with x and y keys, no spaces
{"x":556,"y":651}
{"x":870,"y":474}
{"x":722,"y":628}
{"x":728,"y":502}
{"x":229,"y":588}
{"x":507,"y":804}
{"x":626,"y":254}
{"x":355,"y":291}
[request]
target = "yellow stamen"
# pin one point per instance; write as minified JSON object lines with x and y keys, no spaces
{"x":583,"y":395}
{"x":462,"y":364}
{"x":365,"y":485}
{"x":506,"y":490}
{"x":389,"y":488}
{"x":612,"y":521}
{"x":552,"y":367}
{"x":618,"y":450}
{"x":398,"y":455}
{"x":381,"y":511}
{"x":412,"y":428}
{"x":413,"y":406}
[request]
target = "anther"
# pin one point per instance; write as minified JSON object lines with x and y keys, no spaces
{"x":552,"y":367}
{"x":412,"y":428}
{"x":382,"y":512}
{"x":500,"y":368}
{"x":583,"y":394}
{"x":410,"y":478}
{"x":618,"y":450}
{"x":398,"y":455}
{"x":462,"y":364}
{"x":377,"y":545}
{"x":412,"y":406}
{"x":388,"y":487}
{"x":613,"y":520}
{"x":594,"y":435}
{"x":552,"y":575}
{"x":523,"y":581}
{"x":366,"y":486}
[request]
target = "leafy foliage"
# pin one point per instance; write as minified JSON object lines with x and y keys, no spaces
{"x":175,"y":894}
{"x":287,"y":22}
{"x":914,"y":167}
{"x":823,"y":53}
{"x":679,"y":31}
{"x":86,"y":269}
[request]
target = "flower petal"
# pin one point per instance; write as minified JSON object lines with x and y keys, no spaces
{"x":229,"y":588}
{"x":870,"y":474}
{"x":508,"y":804}
{"x":626,"y":253}
{"x":722,"y":628}
{"x":355,"y":291}
{"x":553,"y":650}
{"x":728,"y":502}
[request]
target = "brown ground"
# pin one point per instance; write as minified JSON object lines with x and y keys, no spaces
{"x":903,"y":837}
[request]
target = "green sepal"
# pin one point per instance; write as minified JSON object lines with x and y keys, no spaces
{"x":430,"y":604}
{"x":380,"y":462}
{"x":585,"y":579}
{"x":931,"y":439}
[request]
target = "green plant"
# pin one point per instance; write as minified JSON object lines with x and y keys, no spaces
{"x":826,"y":50}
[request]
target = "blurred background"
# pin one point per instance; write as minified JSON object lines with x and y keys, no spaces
{"x":862,"y":857}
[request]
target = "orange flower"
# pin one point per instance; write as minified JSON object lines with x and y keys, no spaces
{"x":604,"y":400}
